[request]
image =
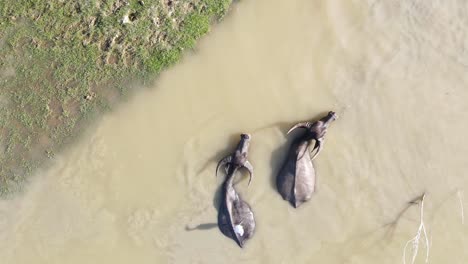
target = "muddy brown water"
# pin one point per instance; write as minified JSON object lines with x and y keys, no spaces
{"x":396,"y":73}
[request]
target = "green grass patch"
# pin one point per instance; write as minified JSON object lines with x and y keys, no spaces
{"x":62,"y":63}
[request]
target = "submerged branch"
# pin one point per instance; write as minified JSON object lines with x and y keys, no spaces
{"x":412,"y":202}
{"x":416,"y":239}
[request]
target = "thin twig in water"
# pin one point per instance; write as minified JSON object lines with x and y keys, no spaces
{"x":392,"y":225}
{"x":415,"y":240}
{"x":460,"y":198}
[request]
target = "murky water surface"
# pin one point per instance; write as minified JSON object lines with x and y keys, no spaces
{"x":396,"y":73}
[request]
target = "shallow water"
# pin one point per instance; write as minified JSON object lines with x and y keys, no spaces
{"x":396,"y":73}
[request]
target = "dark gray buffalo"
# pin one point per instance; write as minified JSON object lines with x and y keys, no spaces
{"x":296,"y":179}
{"x":235,"y":217}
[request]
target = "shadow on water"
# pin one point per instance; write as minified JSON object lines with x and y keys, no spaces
{"x":206,"y":226}
{"x":278,"y":157}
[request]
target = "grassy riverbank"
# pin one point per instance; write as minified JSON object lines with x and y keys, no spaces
{"x":64,"y":62}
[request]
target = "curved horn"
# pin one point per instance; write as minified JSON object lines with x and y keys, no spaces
{"x":249,"y":167}
{"x":300,"y":125}
{"x":318,"y":146}
{"x":223,"y":162}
